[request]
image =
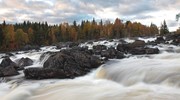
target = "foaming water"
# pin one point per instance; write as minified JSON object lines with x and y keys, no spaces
{"x":158,"y":69}
{"x":152,"y":77}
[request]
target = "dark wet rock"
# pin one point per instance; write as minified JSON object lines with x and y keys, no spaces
{"x":137,"y":51}
{"x":99,"y":47}
{"x":8,"y":62}
{"x":73,"y":44}
{"x":8,"y":71}
{"x":137,"y":48}
{"x":66,"y":44}
{"x":130,"y":46}
{"x":24,"y":62}
{"x":174,"y":38}
{"x":170,"y":37}
{"x":8,"y":67}
{"x":110,"y":53}
{"x":120,"y":55}
{"x":152,"y":43}
{"x":73,"y":62}
{"x":44,"y":73}
{"x":140,"y":51}
{"x":151,"y":50}
{"x":137,"y":43}
{"x":30,"y":47}
{"x":61,"y":45}
{"x":160,"y":40}
{"x":111,"y":40}
{"x":122,"y":47}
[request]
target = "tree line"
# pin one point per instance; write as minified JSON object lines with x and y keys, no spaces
{"x":15,"y":36}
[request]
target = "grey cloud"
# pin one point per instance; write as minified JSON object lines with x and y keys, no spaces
{"x":172,"y":23}
{"x":55,"y":11}
{"x":142,"y":17}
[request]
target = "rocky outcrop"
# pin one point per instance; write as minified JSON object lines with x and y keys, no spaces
{"x":8,"y":71}
{"x":69,"y":63}
{"x":137,"y":48}
{"x":8,"y":62}
{"x":8,"y":68}
{"x":174,"y":38}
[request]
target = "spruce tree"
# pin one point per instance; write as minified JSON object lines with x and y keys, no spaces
{"x":164,"y":29}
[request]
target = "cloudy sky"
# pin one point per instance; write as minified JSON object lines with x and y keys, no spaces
{"x":57,"y":11}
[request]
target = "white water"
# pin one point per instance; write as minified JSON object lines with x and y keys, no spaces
{"x":146,"y":77}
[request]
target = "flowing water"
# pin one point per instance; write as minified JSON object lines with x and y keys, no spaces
{"x":145,"y":77}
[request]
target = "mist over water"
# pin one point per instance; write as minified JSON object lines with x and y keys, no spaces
{"x":145,"y":77}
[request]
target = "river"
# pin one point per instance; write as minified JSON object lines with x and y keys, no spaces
{"x":141,"y":77}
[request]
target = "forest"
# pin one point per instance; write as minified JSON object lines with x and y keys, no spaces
{"x":15,"y":36}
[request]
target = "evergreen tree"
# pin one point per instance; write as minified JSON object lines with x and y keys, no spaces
{"x":164,"y":29}
{"x":1,"y":36}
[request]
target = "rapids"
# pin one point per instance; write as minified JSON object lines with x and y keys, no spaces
{"x":145,"y":77}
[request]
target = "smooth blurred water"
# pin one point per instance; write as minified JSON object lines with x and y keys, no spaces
{"x":145,"y":77}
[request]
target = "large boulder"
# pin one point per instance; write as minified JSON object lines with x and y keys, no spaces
{"x":68,"y":63}
{"x":73,"y":61}
{"x":137,"y":43}
{"x":8,"y":68}
{"x":44,"y":73}
{"x":8,"y":62}
{"x":122,"y":47}
{"x":8,"y":71}
{"x":130,"y":46}
{"x":24,"y":62}
{"x":175,"y":38}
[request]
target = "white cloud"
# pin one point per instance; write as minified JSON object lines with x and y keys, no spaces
{"x":56,"y":11}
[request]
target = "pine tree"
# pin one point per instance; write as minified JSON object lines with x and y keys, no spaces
{"x":164,"y":29}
